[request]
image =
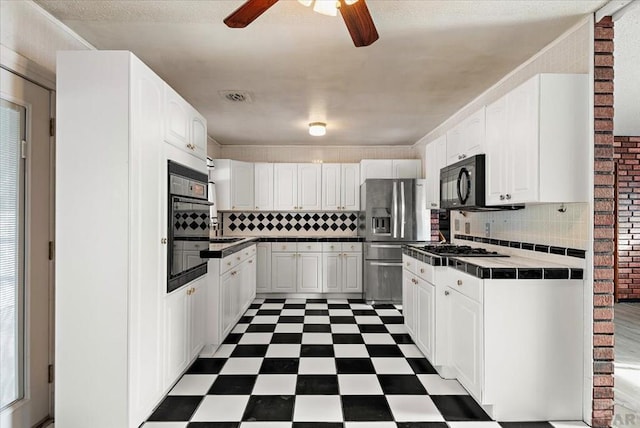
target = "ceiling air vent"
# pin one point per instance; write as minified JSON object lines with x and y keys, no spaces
{"x":236,"y":96}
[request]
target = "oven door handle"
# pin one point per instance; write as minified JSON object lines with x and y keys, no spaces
{"x":385,"y":264}
{"x":191,"y":200}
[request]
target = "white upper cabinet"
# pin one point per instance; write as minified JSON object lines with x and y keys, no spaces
{"x":309,"y":186}
{"x":406,"y":168}
{"x":263,"y":188}
{"x":467,"y":138}
{"x":184,"y":127}
{"x":285,"y":186}
{"x":340,"y":187}
{"x":435,"y":160}
{"x":234,"y":185}
{"x":390,"y":168}
{"x":536,"y":138}
{"x":375,"y":168}
{"x":297,"y":186}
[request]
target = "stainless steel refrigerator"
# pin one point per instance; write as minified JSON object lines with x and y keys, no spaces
{"x":392,"y":212}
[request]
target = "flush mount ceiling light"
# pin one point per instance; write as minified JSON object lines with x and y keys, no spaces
{"x":317,"y":129}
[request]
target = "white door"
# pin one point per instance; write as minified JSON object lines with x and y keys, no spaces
{"x":177,"y":119}
{"x":263,"y":188}
{"x":465,"y":340}
{"x":375,"y":168}
{"x":498,"y":147}
{"x":435,"y":160}
{"x":285,"y":186}
{"x":26,"y":227}
{"x":331,"y":181}
{"x":177,"y":326}
{"x":241,"y":186}
{"x":263,"y":275}
{"x":425,"y":318}
{"x":309,"y":272}
{"x":197,"y":315}
{"x":309,"y":186}
{"x":473,"y":134}
{"x":283,"y":272}
{"x":408,"y":300}
{"x":227,"y":303}
{"x":454,"y":145}
{"x":352,"y":272}
{"x":350,"y":177}
{"x":199,"y":134}
{"x":331,"y":272}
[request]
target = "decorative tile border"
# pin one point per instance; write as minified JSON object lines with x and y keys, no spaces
{"x":287,"y":222}
{"x":560,"y":251}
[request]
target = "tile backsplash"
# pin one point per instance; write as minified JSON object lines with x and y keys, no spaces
{"x":342,"y":223}
{"x":563,"y":225}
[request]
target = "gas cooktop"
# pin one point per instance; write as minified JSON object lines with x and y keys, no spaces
{"x":446,"y":250}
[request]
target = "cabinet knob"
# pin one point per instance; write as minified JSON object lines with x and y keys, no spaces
{"x":433,"y":204}
{"x":502,"y":197}
{"x":421,"y":270}
{"x":233,"y":207}
{"x":331,"y":247}
{"x":446,"y":293}
{"x":308,"y":247}
{"x":459,"y":282}
{"x":250,"y":261}
{"x":284,"y":247}
{"x":352,"y":247}
{"x":508,"y":196}
{"x":163,"y":241}
{"x":257,"y":207}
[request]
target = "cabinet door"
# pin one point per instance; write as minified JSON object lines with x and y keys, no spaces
{"x":522,"y":136}
{"x":251,"y":279}
{"x":177,"y":337}
{"x":309,"y":272}
{"x":435,"y":160}
{"x":177,"y":119}
{"x":198,"y":135}
{"x":283,"y":272}
{"x":352,"y":272}
{"x":465,"y":341}
{"x":285,"y":186}
{"x":350,"y":185}
{"x":197,"y":314}
{"x":425,"y":318}
{"x":497,"y":148}
{"x":473,"y":133}
{"x":263,"y":266}
{"x":406,"y":168}
{"x":309,"y":186}
{"x":263,"y":173}
{"x":454,"y":145}
{"x":408,"y":302}
{"x":331,"y":183}
{"x":375,"y":168}
{"x":331,"y":272}
{"x":227,"y":303}
{"x":241,"y":186}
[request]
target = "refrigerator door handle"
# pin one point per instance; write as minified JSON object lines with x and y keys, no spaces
{"x":385,"y":264}
{"x":403,"y":209}
{"x":385,"y":246}
{"x":394,"y":197}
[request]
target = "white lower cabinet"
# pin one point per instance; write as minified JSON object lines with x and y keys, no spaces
{"x":237,"y":291}
{"x":409,"y":301}
{"x":425,"y":318}
{"x":283,"y":272}
{"x":263,"y":267}
{"x":341,"y":272}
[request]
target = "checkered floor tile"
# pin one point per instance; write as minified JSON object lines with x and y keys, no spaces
{"x":320,"y":363}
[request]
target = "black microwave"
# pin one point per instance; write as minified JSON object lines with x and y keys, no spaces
{"x":462,"y":186}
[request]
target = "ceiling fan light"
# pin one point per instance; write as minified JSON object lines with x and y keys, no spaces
{"x":317,"y":129}
{"x":326,"y":7}
{"x":306,"y":3}
{"x":348,"y":2}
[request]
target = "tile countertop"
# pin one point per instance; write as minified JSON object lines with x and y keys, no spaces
{"x":218,"y":251}
{"x":512,"y":267}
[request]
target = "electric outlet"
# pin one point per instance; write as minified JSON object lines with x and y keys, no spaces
{"x":487,"y":230}
{"x":467,"y":228}
{"x":456,"y":225}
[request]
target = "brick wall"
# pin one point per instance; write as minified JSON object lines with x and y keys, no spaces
{"x":604,"y":226}
{"x":627,"y":155}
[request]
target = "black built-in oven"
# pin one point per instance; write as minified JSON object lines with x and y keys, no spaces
{"x":189,"y":223}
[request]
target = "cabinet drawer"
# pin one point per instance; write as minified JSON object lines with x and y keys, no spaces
{"x":245,"y":253}
{"x":352,"y":247}
{"x":231,"y":261}
{"x":331,"y":247}
{"x":309,"y":247}
{"x":409,"y":263}
{"x":283,"y":247}
{"x":425,"y":271}
{"x":465,"y":284}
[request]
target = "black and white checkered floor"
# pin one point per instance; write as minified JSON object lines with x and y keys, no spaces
{"x":320,"y":363}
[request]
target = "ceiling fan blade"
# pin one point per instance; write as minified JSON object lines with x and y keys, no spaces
{"x":359,"y":23}
{"x":248,"y":12}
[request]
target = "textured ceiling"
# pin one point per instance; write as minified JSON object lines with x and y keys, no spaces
{"x":433,"y":57}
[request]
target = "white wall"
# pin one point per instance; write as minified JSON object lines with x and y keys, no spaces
{"x":30,"y":38}
{"x":337,"y":154}
{"x":626,"y":100}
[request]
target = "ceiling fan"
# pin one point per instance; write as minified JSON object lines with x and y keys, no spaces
{"x":354,"y":12}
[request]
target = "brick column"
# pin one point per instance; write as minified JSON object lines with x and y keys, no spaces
{"x":604,"y":222}
{"x":627,"y":155}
